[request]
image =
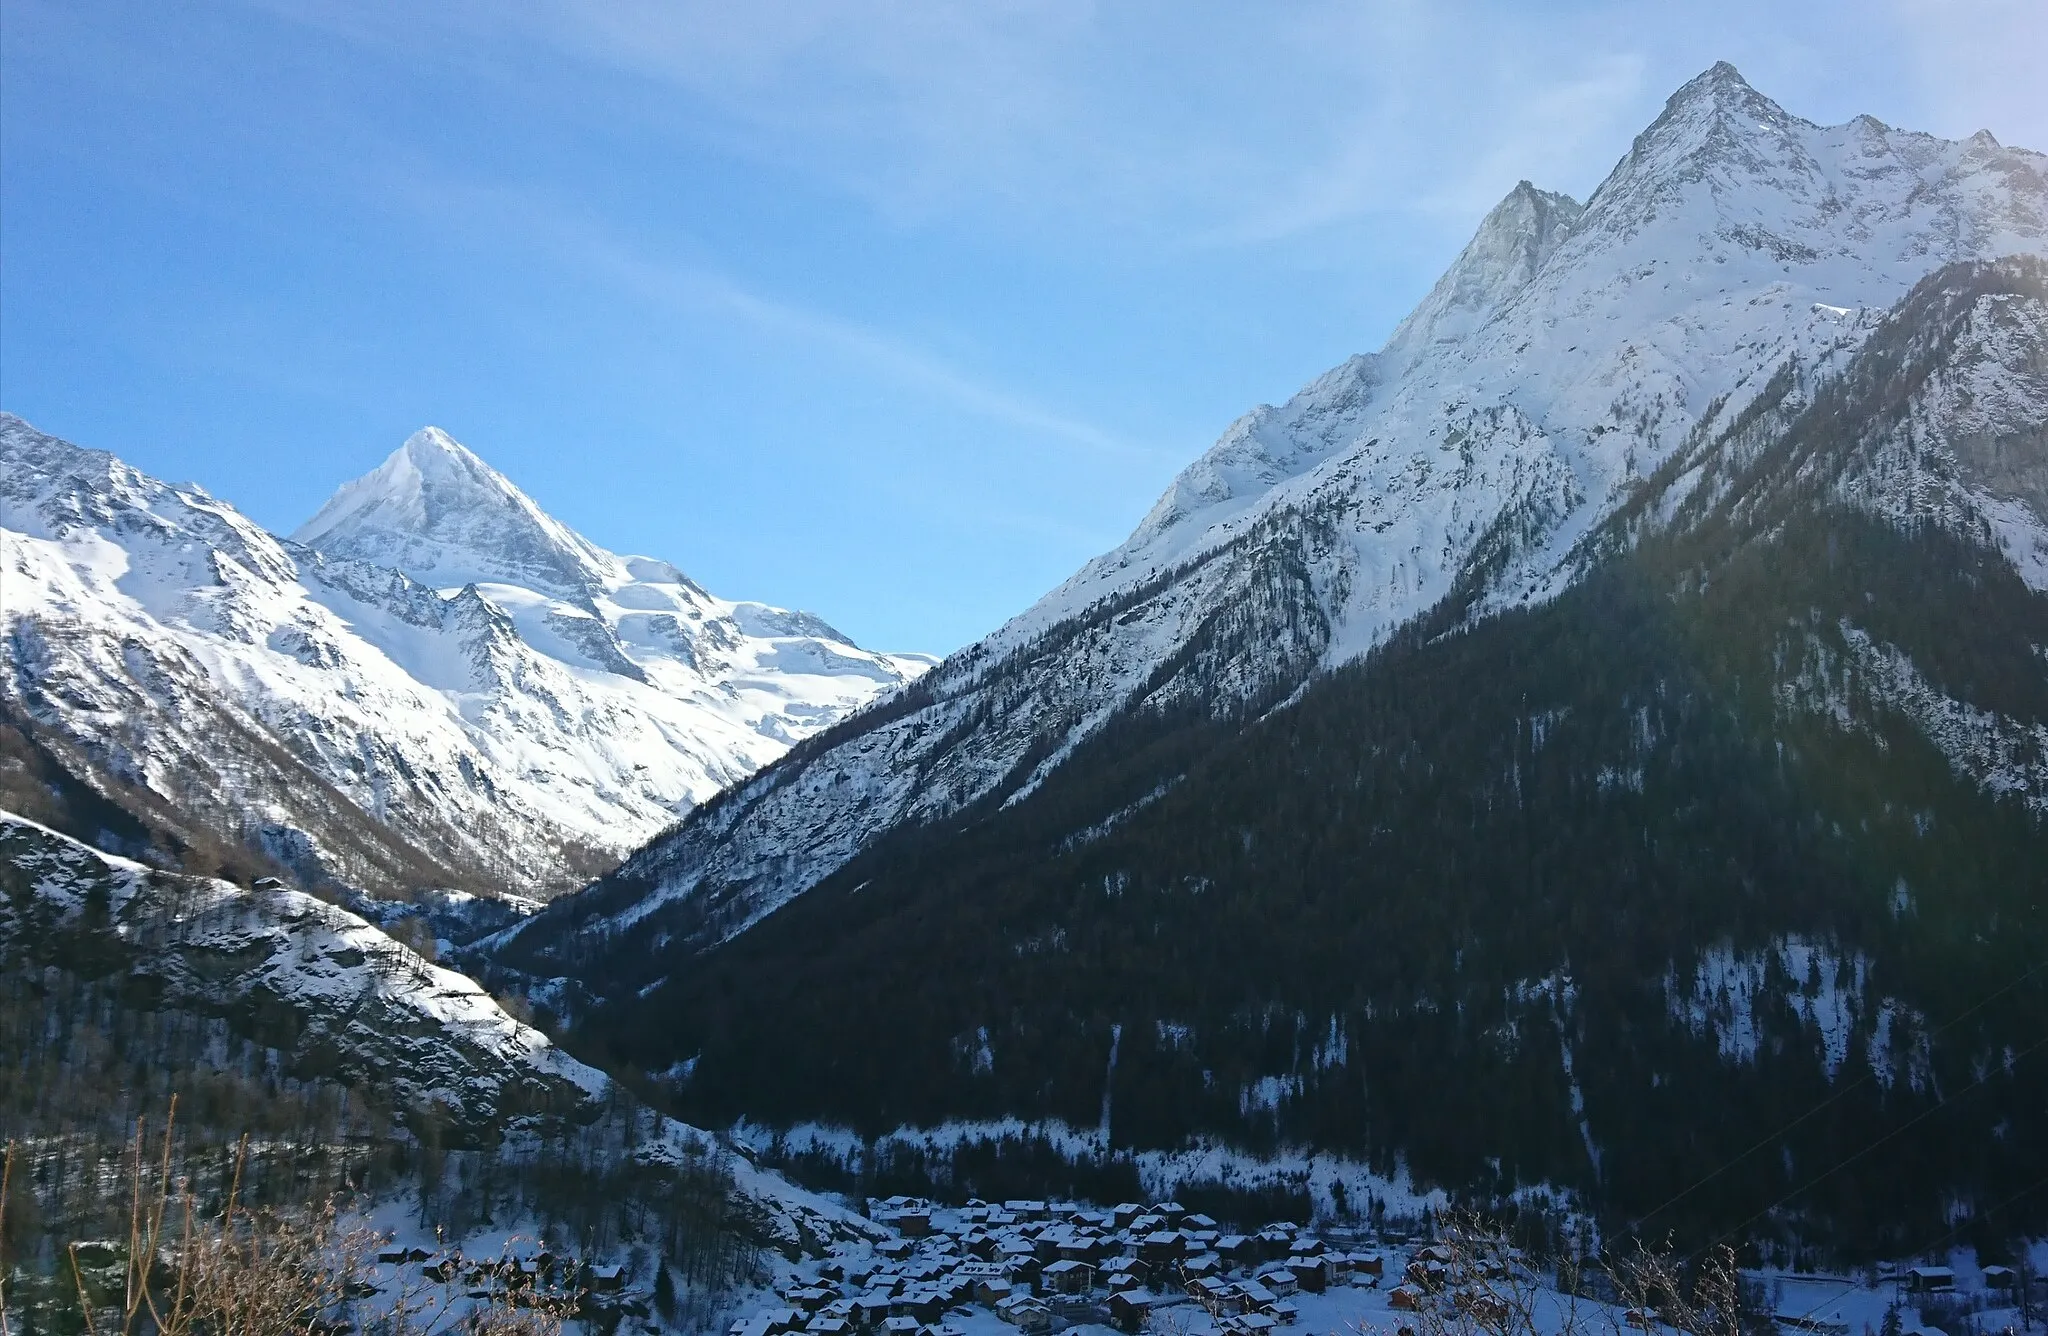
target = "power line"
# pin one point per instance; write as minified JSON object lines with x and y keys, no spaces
{"x":1900,"y":1130}
{"x":1840,"y":1094}
{"x":1949,"y":1237}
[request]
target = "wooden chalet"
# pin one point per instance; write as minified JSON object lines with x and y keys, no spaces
{"x":1067,"y":1278}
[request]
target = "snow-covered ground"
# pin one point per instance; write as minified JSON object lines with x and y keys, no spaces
{"x":1354,"y":1301}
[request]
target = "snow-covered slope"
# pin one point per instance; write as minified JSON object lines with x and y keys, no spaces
{"x":336,"y":999}
{"x":1569,"y":354}
{"x":522,"y":711}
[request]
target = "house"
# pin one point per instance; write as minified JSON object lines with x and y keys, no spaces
{"x":1283,"y":1313}
{"x":1257,"y":1296}
{"x":2001,"y":1278}
{"x":1026,"y":1209}
{"x":1202,"y":1264}
{"x":1490,"y":1310}
{"x":1162,"y":1245}
{"x":1405,"y":1299}
{"x":1279,"y":1280}
{"x":901,"y":1326}
{"x":1368,"y":1264}
{"x":1199,"y":1221}
{"x":779,"y":1320}
{"x":1125,"y":1214}
{"x":895,"y":1249}
{"x":1032,"y":1317}
{"x":1215,"y":1295}
{"x":1254,"y":1324}
{"x":1068,"y":1278}
{"x":607,"y":1278}
{"x":1273,"y":1241}
{"x":1080,"y":1246}
{"x":1930,"y":1279}
{"x":1117,"y":1282}
{"x":915,"y":1223}
{"x":1310,"y":1274}
{"x":992,"y":1290}
{"x":1128,"y":1309}
{"x":829,"y":1326}
{"x":1171,"y":1210}
{"x":1427,"y":1274}
{"x":1237,"y":1249}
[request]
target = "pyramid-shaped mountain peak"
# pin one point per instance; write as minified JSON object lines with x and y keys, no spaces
{"x":435,"y":510}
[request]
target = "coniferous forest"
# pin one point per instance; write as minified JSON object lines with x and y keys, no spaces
{"x":1599,"y":892}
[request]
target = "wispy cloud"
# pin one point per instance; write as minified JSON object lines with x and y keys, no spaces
{"x":1173,"y":122}
{"x":525,"y":220}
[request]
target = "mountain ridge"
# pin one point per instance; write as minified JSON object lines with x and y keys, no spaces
{"x":1732,"y":245}
{"x":350,"y":723}
{"x":1588,"y":895}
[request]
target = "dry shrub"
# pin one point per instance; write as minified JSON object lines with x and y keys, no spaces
{"x":245,"y":1272}
{"x":1488,"y":1287}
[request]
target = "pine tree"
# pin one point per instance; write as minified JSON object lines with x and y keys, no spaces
{"x":665,"y":1293}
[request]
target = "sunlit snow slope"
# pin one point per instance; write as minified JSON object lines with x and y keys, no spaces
{"x":440,"y":685}
{"x":1569,"y":353}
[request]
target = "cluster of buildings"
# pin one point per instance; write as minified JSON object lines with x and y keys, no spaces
{"x":1040,"y":1265}
{"x":526,"y":1272}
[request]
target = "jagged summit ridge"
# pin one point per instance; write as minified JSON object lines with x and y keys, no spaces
{"x":1569,"y":350}
{"x":1512,"y":245}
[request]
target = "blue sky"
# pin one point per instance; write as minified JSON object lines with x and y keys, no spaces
{"x":894,"y":311}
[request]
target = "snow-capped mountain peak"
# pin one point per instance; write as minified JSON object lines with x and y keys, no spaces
{"x":442,"y":668}
{"x":1569,"y":356}
{"x":436,"y":511}
{"x":1513,"y":242}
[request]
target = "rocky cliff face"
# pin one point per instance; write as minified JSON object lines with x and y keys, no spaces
{"x":355,"y":722}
